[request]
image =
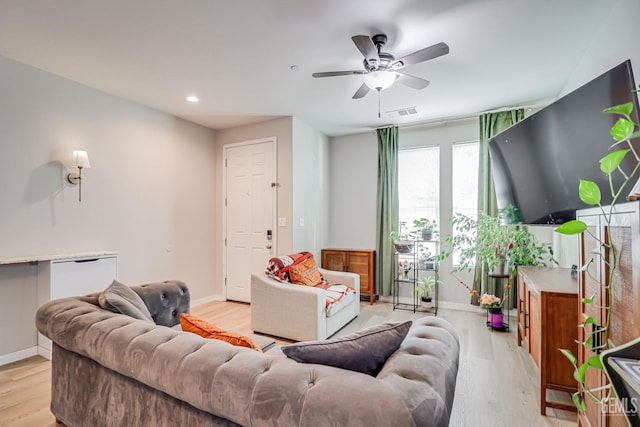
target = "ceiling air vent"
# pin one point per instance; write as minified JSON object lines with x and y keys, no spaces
{"x":402,"y":112}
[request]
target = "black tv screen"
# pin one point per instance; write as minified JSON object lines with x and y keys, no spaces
{"x":538,"y":163}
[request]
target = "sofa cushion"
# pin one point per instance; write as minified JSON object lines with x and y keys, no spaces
{"x":120,"y":298}
{"x":305,"y":273}
{"x":205,"y":329}
{"x":365,"y":351}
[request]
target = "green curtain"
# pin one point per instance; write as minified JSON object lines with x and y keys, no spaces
{"x":491,"y":124}
{"x":386,"y":207}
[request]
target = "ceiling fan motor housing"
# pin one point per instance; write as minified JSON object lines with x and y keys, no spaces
{"x":379,"y":40}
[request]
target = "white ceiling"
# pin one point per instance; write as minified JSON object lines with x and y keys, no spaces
{"x":236,"y":56}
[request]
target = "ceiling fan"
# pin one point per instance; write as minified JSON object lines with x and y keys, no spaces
{"x":381,"y":69}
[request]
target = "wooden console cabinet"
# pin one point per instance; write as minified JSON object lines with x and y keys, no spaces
{"x":361,"y":262}
{"x":547,"y":322}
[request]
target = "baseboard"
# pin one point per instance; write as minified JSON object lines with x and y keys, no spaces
{"x":44,"y":352}
{"x":204,"y":300}
{"x":5,"y":359}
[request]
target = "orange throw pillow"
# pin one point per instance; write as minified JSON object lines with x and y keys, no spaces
{"x":305,"y":273}
{"x":198,"y":326}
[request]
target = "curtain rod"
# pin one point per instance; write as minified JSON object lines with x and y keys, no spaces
{"x":450,"y":119}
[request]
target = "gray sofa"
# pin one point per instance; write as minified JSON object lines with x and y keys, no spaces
{"x":109,"y":369}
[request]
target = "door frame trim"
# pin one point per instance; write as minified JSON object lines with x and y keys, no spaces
{"x":274,"y":220}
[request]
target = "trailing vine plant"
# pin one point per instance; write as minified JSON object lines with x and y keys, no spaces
{"x":622,"y":132}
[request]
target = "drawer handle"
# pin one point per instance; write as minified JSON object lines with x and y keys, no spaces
{"x":596,"y":334}
{"x":87,"y":260}
{"x":520,"y":306}
{"x":526,"y":317}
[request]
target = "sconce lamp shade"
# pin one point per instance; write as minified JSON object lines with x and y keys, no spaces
{"x":81,"y":159}
{"x":379,"y":80}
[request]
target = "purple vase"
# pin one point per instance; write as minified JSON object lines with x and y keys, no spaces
{"x":496,"y":317}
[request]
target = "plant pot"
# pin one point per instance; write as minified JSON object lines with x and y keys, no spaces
{"x":501,"y":269}
{"x":429,"y":265}
{"x":495,"y":317}
{"x":426,"y":302}
{"x":403,"y":246}
{"x":427,"y":234}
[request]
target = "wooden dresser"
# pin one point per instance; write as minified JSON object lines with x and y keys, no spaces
{"x":547,"y":322}
{"x":357,"y":261}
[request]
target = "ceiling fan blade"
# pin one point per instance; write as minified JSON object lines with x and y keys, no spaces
{"x":360,"y":93}
{"x":421,"y":55}
{"x":412,"y":81}
{"x":338,"y":73}
{"x":366,"y":47}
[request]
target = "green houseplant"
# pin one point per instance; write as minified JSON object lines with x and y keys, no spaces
{"x":424,"y":289}
{"x":622,"y":132}
{"x":500,"y":248}
{"x":424,"y":228}
{"x":401,"y":239}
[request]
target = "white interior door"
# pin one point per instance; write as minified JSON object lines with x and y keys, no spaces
{"x":250,"y":228}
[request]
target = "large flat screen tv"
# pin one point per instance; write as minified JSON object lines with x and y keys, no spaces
{"x":538,"y":163}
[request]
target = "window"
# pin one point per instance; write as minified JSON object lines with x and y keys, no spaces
{"x":464,"y":195}
{"x":465,"y":178}
{"x":420,"y":183}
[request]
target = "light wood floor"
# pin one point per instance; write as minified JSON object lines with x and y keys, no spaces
{"x":496,"y":385}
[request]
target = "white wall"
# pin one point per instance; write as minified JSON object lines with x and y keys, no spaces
{"x":353,"y":175}
{"x":149,"y":194}
{"x":615,"y":42}
{"x":310,"y":216}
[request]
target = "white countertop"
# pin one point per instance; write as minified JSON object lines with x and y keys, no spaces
{"x":56,"y":257}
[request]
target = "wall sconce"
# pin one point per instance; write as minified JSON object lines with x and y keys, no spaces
{"x":80,"y":161}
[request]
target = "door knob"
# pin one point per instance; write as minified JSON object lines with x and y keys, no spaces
{"x":268,"y":246}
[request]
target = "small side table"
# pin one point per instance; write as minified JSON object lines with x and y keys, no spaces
{"x":507,"y":292}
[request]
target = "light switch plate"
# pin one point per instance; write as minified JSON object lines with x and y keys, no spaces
{"x":282,"y":222}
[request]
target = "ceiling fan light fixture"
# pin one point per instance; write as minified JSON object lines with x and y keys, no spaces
{"x":380,"y":79}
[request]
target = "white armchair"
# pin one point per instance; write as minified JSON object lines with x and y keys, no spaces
{"x":298,"y":312}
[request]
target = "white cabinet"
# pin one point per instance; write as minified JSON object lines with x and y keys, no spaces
{"x":78,"y":276}
{"x":72,"y":277}
{"x":28,"y":282}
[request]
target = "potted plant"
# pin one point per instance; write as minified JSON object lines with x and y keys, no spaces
{"x":426,"y":259}
{"x":493,"y":304}
{"x":424,"y":228}
{"x":424,"y":288}
{"x":500,"y":248}
{"x":401,"y":239}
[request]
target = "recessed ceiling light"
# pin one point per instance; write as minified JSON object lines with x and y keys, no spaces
{"x":192,"y":98}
